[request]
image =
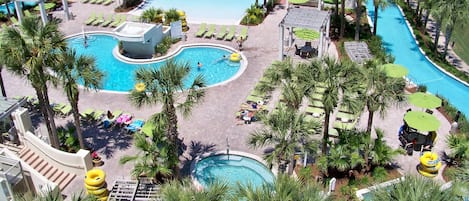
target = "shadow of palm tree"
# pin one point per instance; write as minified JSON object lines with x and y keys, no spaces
{"x":196,"y":148}
{"x":106,"y":141}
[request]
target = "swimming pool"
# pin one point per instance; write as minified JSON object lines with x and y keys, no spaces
{"x":120,"y":75}
{"x":11,"y":6}
{"x":232,"y":169}
{"x":399,"y":41}
{"x":208,"y":11}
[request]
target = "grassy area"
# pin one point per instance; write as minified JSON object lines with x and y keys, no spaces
{"x":461,"y":46}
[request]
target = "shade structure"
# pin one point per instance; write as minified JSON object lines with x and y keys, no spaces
{"x":424,"y":100}
{"x":422,"y":121}
{"x":395,"y":70}
{"x":306,"y":34}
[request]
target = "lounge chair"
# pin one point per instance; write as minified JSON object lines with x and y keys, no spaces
{"x":27,"y":13}
{"x":14,"y":21}
{"x":231,"y":34}
{"x":124,"y":119}
{"x":91,"y":19}
{"x":119,"y":21}
{"x":97,"y":115}
{"x":85,"y":1}
{"x":210,"y":32}
{"x":244,"y":33}
{"x":99,"y":1}
{"x":57,"y":107}
{"x":107,"y":2}
{"x":221,"y":32}
{"x":108,"y":21}
{"x":87,"y":114}
{"x":99,"y":20}
{"x":202,"y":30}
{"x":65,"y":111}
{"x":93,"y":1}
{"x":134,"y":126}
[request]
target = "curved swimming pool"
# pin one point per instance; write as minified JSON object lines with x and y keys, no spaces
{"x":232,"y":169}
{"x":119,"y":75}
{"x":399,"y":41}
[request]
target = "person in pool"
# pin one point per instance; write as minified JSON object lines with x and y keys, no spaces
{"x":199,"y":65}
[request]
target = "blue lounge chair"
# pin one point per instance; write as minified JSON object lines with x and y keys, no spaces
{"x":135,"y":126}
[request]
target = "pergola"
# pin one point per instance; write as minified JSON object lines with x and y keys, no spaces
{"x":42,"y":9}
{"x":305,"y":18}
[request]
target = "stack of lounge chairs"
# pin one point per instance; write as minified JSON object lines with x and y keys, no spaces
{"x":224,"y":32}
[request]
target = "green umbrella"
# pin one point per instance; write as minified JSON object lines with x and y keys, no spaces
{"x":395,"y":70}
{"x":298,"y":1}
{"x":424,"y":100}
{"x":306,"y":34}
{"x":47,"y":6}
{"x":421,"y":121}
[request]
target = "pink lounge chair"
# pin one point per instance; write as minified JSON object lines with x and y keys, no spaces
{"x":123,"y":119}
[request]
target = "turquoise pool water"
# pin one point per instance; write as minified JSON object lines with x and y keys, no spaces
{"x":209,"y":11}
{"x":11,"y":6}
{"x":232,"y":169}
{"x":399,"y":41}
{"x":120,"y":75}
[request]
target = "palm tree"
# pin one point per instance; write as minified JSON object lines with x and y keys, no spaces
{"x":185,"y":191}
{"x":166,"y":85}
{"x":456,"y":12}
{"x":152,"y":15}
{"x":337,"y":78}
{"x":381,"y":154}
{"x":284,"y":188}
{"x":459,"y":145}
{"x":153,"y":157}
{"x":413,"y":188}
{"x":171,"y":15}
{"x":70,"y":71}
{"x":438,"y":14}
{"x":342,"y":19}
{"x":27,"y":52}
{"x":285,"y":129}
{"x":379,"y":4}
{"x":2,"y":86}
{"x":358,"y":13}
{"x":381,"y":91}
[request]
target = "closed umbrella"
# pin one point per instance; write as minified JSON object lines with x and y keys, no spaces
{"x":424,"y":100}
{"x":395,"y":70}
{"x":421,"y":121}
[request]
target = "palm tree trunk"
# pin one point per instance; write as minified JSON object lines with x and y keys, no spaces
{"x":427,"y":16}
{"x":437,"y":34}
{"x":8,"y":8}
{"x":173,"y":137}
{"x":76,"y":118}
{"x":336,"y":12}
{"x":43,"y":108}
{"x":358,"y":19}
{"x":342,"y":19}
{"x":54,"y":140}
{"x":375,"y":20}
{"x":4,"y":93}
{"x":370,"y":121}
{"x":448,"y":34}
{"x":325,"y":135}
{"x":417,"y":10}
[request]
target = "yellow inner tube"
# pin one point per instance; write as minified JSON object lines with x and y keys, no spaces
{"x":431,"y":169}
{"x":88,"y":187}
{"x":426,"y":174}
{"x":140,"y":87}
{"x":98,"y":192}
{"x":429,"y":159}
{"x":95,"y":177}
{"x":235,"y":57}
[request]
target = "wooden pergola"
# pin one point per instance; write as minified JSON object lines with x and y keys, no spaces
{"x":310,"y":18}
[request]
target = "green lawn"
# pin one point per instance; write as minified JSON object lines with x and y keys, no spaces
{"x":461,"y":43}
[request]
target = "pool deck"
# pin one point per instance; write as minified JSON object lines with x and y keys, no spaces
{"x":213,"y":120}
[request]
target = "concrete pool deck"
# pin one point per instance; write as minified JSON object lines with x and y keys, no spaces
{"x":213,"y":120}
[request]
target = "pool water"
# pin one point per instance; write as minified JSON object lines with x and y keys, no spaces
{"x":11,"y":6}
{"x":119,"y":76}
{"x":232,"y":169}
{"x":399,"y":41}
{"x":208,"y":11}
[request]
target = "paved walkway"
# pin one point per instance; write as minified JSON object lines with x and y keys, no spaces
{"x":212,"y":122}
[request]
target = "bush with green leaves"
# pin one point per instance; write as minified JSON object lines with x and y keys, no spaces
{"x":254,"y":16}
{"x":68,"y":141}
{"x":164,"y":45}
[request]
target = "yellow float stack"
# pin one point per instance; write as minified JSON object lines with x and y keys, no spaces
{"x":95,"y":184}
{"x":429,"y":164}
{"x":182,"y":16}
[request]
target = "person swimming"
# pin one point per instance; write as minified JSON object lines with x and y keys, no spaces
{"x":199,"y":65}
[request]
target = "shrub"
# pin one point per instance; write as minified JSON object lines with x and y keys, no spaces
{"x":164,"y":45}
{"x":379,"y":174}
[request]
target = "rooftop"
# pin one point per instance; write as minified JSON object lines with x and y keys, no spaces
{"x":357,"y":51}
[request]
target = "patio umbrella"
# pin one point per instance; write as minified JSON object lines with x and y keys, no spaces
{"x":47,"y":6}
{"x":306,"y":34}
{"x":395,"y":70}
{"x":424,"y":100}
{"x":421,"y":121}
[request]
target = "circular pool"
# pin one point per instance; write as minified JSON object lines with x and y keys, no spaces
{"x":231,"y":169}
{"x":119,"y":75}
